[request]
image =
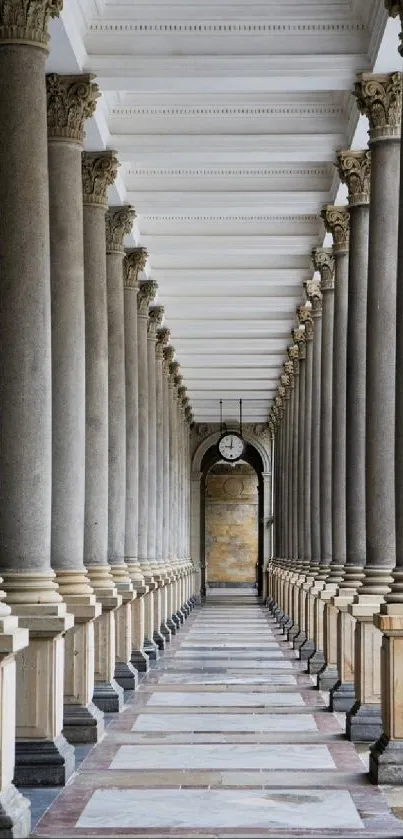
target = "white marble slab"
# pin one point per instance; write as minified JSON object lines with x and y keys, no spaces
{"x":192,"y":809}
{"x":211,"y":679}
{"x":222,"y":756}
{"x":285,"y":723}
{"x":199,"y":654}
{"x":229,"y":664}
{"x":184,"y":699}
{"x":229,"y":645}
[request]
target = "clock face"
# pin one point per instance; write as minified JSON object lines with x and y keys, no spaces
{"x":231,"y":447}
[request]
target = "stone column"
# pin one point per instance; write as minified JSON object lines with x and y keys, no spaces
{"x":98,"y":172}
{"x":42,"y":752}
{"x":147,"y":292}
{"x":134,"y":262}
{"x":70,"y":101}
{"x":311,"y":587}
{"x":323,"y":262}
{"x":386,"y":757}
{"x":291,"y":366}
{"x":174,"y":487}
{"x":118,"y":223}
{"x":163,"y":336}
{"x":379,"y":97}
{"x":168,"y":355}
{"x":354,"y":170}
{"x":299,"y":372}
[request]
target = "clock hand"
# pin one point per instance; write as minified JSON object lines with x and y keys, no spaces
{"x":231,"y":443}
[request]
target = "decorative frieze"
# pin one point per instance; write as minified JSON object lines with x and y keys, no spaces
{"x":71,"y":100}
{"x":99,"y":170}
{"x":135,"y":261}
{"x":118,"y":224}
{"x":379,"y":97}
{"x":337,"y":222}
{"x":354,"y":168}
{"x":26,"y":21}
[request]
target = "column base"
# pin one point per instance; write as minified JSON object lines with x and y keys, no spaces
{"x":198,"y":599}
{"x":15,"y":814}
{"x":108,"y":696}
{"x":316,"y":662}
{"x":364,"y":723}
{"x":171,"y":626}
{"x":293,"y":631}
{"x":166,"y":632}
{"x":286,"y":625}
{"x":180,"y":616}
{"x":190,"y":605}
{"x":151,"y":649}
{"x":386,"y":761}
{"x":83,"y":724}
{"x":140,"y":661}
{"x":342,"y":696}
{"x":299,"y":640}
{"x":183,"y":612}
{"x":126,"y":675}
{"x":159,"y":639}
{"x":327,"y":677}
{"x":306,"y":650}
{"x":47,"y":763}
{"x":176,"y":621}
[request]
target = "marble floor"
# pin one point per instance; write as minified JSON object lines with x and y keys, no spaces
{"x":226,"y":737}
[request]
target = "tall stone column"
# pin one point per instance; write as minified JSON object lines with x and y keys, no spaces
{"x":172,"y":622}
{"x":147,"y":292}
{"x":118,"y":221}
{"x":163,"y":336}
{"x":169,"y":355}
{"x":354,"y":170}
{"x":379,"y":97}
{"x":70,"y":101}
{"x":312,"y":586}
{"x":299,"y":341}
{"x":98,"y":173}
{"x":134,"y":262}
{"x":26,"y":411}
{"x":290,"y":368}
{"x":174,"y":453}
{"x":386,"y":757}
{"x":323,"y":262}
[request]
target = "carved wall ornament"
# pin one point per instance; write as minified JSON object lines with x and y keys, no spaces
{"x":26,"y":21}
{"x":155,"y":319}
{"x":134,"y":262}
{"x":314,"y":295}
{"x":395,"y":8}
{"x":118,"y":224}
{"x":323,"y":262}
{"x":71,"y":100}
{"x":99,"y":170}
{"x":163,"y":336}
{"x":337,"y":222}
{"x":379,"y":97}
{"x":147,"y":292}
{"x":354,"y":168}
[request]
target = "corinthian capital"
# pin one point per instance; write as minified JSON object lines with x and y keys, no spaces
{"x":314,"y":295}
{"x":71,"y":100}
{"x":169,"y":355}
{"x":118,"y":224}
{"x":163,"y":336}
{"x":354,"y":168}
{"x":337,"y":222}
{"x":299,"y":338}
{"x":147,"y":292}
{"x":305,"y":318}
{"x":188,"y":414}
{"x":155,"y":318}
{"x":379,"y":97}
{"x":293,"y":355}
{"x":134,"y":262}
{"x":99,"y":170}
{"x":323,"y":262}
{"x":26,"y":21}
{"x":395,"y":8}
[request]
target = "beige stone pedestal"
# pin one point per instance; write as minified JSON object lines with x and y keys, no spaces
{"x":83,"y":722}
{"x":150,"y":647}
{"x":328,"y":675}
{"x":364,"y":722}
{"x":15,"y":810}
{"x":342,"y":695}
{"x":386,"y":755}
{"x":108,"y":695}
{"x":125,"y":673}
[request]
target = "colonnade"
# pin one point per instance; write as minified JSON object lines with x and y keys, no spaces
{"x":95,"y":427}
{"x":335,"y":583}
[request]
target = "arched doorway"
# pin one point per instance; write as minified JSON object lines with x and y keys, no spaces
{"x":229,"y":567}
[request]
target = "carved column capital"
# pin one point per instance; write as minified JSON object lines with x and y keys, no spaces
{"x":99,"y":170}
{"x":155,"y":318}
{"x":323,"y":262}
{"x":379,"y":97}
{"x":147,"y":292}
{"x":305,"y":318}
{"x":395,"y":8}
{"x":293,"y":355}
{"x":163,"y":336}
{"x":169,"y":355}
{"x":289,"y":371}
{"x":71,"y":100}
{"x":314,"y":296}
{"x":134,"y":262}
{"x":337,"y":222}
{"x":299,"y":338}
{"x":26,"y":21}
{"x":118,"y":224}
{"x":354,"y":168}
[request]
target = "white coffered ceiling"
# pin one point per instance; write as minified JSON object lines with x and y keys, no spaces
{"x":226,"y":117}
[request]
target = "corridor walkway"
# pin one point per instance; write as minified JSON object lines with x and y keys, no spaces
{"x":225,"y":737}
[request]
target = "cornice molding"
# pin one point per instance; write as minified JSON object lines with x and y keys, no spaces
{"x":115,"y":28}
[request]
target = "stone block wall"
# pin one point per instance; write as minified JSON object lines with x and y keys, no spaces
{"x":231,"y":525}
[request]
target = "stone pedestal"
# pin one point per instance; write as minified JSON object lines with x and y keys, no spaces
{"x":139,"y":658}
{"x":108,"y":695}
{"x":364,"y":721}
{"x":386,"y":755}
{"x":342,"y":695}
{"x":328,"y":676}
